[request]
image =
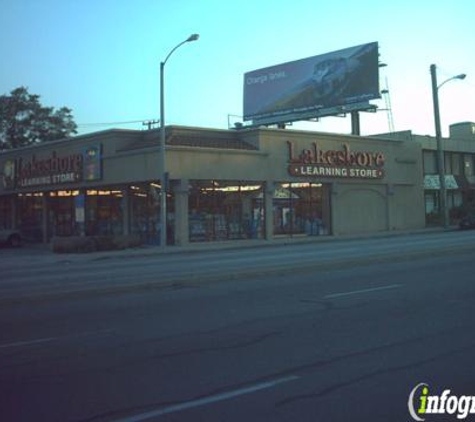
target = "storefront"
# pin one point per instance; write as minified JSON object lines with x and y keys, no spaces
{"x":225,"y":210}
{"x":459,"y":170}
{"x":224,"y":185}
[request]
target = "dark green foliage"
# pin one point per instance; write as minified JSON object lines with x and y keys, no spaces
{"x":24,"y":121}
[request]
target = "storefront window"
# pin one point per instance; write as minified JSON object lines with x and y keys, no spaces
{"x":456,"y":159}
{"x":448,"y":163}
{"x":431,"y":199}
{"x":30,"y":215}
{"x":431,"y":202}
{"x":6,"y":211}
{"x":61,"y":213}
{"x":104,"y":212}
{"x":430,"y":162}
{"x":469,"y":165}
{"x":224,"y":210}
{"x":301,"y":209}
{"x":452,"y":163}
{"x":144,"y":207}
{"x":455,"y":206}
{"x":454,"y":199}
{"x":145,"y":212}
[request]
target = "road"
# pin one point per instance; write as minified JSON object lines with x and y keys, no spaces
{"x":50,"y":275}
{"x":340,"y":342}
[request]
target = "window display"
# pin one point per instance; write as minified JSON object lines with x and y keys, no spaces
{"x":6,"y":212}
{"x":225,"y":210}
{"x":145,"y":212}
{"x":61,"y":214}
{"x":301,"y":209}
{"x":104,"y":212}
{"x":30,"y":215}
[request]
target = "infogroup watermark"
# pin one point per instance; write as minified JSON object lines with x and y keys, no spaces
{"x":421,"y":404}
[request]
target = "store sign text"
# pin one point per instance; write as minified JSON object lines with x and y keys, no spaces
{"x":49,"y":171}
{"x":53,"y":169}
{"x":316,"y":162}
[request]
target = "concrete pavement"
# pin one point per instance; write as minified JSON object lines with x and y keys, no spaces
{"x":43,"y":275}
{"x":41,"y":253}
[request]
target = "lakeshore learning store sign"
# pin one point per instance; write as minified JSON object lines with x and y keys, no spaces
{"x":53,"y":169}
{"x":344,"y":163}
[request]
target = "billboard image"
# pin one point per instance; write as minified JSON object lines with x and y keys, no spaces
{"x":285,"y":92}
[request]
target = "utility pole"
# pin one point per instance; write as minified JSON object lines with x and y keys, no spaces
{"x":438,"y":134}
{"x":440,"y":150}
{"x":150,"y":123}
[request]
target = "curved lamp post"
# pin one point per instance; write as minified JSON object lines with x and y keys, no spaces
{"x":162,"y":167}
{"x":438,"y":135}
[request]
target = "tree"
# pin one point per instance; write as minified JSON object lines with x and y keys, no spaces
{"x":24,"y":121}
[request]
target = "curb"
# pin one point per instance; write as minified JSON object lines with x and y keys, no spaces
{"x":183,"y":282}
{"x":235,"y":245}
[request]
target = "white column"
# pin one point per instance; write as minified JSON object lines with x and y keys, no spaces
{"x":269,"y":209}
{"x":181,"y":190}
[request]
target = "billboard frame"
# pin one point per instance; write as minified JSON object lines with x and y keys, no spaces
{"x":329,"y":84}
{"x":316,"y":114}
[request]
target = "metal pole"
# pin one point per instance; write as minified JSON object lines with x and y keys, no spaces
{"x":440,"y":151}
{"x":355,"y":123}
{"x":162,"y":168}
{"x":162,"y":149}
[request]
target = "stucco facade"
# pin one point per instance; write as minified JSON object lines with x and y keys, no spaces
{"x":243,"y":183}
{"x":459,"y":169}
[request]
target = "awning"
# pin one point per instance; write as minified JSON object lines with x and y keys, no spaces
{"x":431,"y":182}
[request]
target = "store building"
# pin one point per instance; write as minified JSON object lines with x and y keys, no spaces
{"x":223,"y":185}
{"x":459,"y":167}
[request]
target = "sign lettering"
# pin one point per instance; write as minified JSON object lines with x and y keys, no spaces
{"x":316,"y":162}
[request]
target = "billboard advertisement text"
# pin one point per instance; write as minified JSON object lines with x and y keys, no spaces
{"x":326,"y":81}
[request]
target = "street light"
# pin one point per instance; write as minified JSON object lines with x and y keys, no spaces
{"x":438,"y":135}
{"x":163,"y":170}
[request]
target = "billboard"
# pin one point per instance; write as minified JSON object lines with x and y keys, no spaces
{"x":317,"y":86}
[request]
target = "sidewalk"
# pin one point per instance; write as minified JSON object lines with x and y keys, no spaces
{"x":35,"y":273}
{"x":43,"y":251}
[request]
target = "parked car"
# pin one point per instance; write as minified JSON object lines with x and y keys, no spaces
{"x":11,"y":237}
{"x":468,"y":222}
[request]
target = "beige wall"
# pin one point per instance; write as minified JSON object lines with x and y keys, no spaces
{"x":394,"y":202}
{"x":359,"y":209}
{"x":116,"y":167}
{"x":408,"y":210}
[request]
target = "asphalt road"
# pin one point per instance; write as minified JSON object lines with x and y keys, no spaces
{"x":36,"y":274}
{"x":341,"y":342}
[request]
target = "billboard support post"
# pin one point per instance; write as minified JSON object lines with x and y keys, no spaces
{"x":355,"y":123}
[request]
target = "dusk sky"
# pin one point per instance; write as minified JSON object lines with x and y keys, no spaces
{"x":101,"y":57}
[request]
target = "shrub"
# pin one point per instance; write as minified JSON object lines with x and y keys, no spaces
{"x":84,"y":244}
{"x":73,"y":244}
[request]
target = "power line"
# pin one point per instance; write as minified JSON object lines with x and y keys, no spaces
{"x":144,"y":121}
{"x":150,"y":123}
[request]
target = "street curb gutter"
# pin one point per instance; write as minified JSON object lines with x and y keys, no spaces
{"x":235,"y":245}
{"x":191,"y":281}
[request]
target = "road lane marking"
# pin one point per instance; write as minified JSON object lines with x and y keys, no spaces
{"x":207,"y":400}
{"x":27,"y":343}
{"x":49,"y":339}
{"x":357,"y":292}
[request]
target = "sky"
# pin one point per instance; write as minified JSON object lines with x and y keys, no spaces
{"x":101,"y":58}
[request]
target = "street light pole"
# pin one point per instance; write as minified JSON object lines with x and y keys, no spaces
{"x":161,"y":152}
{"x":440,"y":151}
